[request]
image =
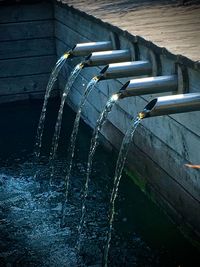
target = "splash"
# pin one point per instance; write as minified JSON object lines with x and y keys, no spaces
{"x":118,"y":173}
{"x":93,"y":145}
{"x":54,"y":75}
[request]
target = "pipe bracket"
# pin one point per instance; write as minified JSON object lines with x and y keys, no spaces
{"x":183,"y":78}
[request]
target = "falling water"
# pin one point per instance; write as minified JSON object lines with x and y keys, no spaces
{"x":66,"y":90}
{"x":93,"y":145}
{"x":118,"y":173}
{"x":71,"y":148}
{"x":59,"y":64}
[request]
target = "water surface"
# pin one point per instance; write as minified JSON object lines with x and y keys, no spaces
{"x":30,"y":209}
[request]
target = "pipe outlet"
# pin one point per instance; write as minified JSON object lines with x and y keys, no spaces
{"x":149,"y":85}
{"x":104,"y":58}
{"x":171,"y":104}
{"x":125,"y":69}
{"x":84,"y":49}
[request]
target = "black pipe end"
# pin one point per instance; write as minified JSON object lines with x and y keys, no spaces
{"x":72,"y":50}
{"x":124,"y":87}
{"x":88,"y":57}
{"x":104,"y":69}
{"x":148,"y":108}
{"x":87,"y":61}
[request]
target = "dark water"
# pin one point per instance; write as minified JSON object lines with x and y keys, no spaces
{"x":30,"y":209}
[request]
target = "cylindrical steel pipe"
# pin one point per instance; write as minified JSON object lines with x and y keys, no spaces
{"x":125,"y":69}
{"x":171,"y":104}
{"x":84,"y":49}
{"x":149,"y":85}
{"x":106,"y":57}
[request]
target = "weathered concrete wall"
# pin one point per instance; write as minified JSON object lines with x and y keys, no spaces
{"x":173,"y":25}
{"x":29,"y":35}
{"x":27,"y":50}
{"x":161,"y":145}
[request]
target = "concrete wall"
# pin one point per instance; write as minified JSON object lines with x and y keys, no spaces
{"x":161,"y":145}
{"x":32,"y":36}
{"x":27,"y":50}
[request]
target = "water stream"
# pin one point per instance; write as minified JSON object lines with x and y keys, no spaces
{"x":118,"y":173}
{"x":54,"y":74}
{"x":70,"y":154}
{"x":74,"y":74}
{"x":93,"y":145}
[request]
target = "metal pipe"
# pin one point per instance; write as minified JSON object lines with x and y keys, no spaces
{"x":84,"y":49}
{"x":171,"y":104}
{"x":125,"y":69}
{"x":104,"y":58}
{"x":149,"y":85}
